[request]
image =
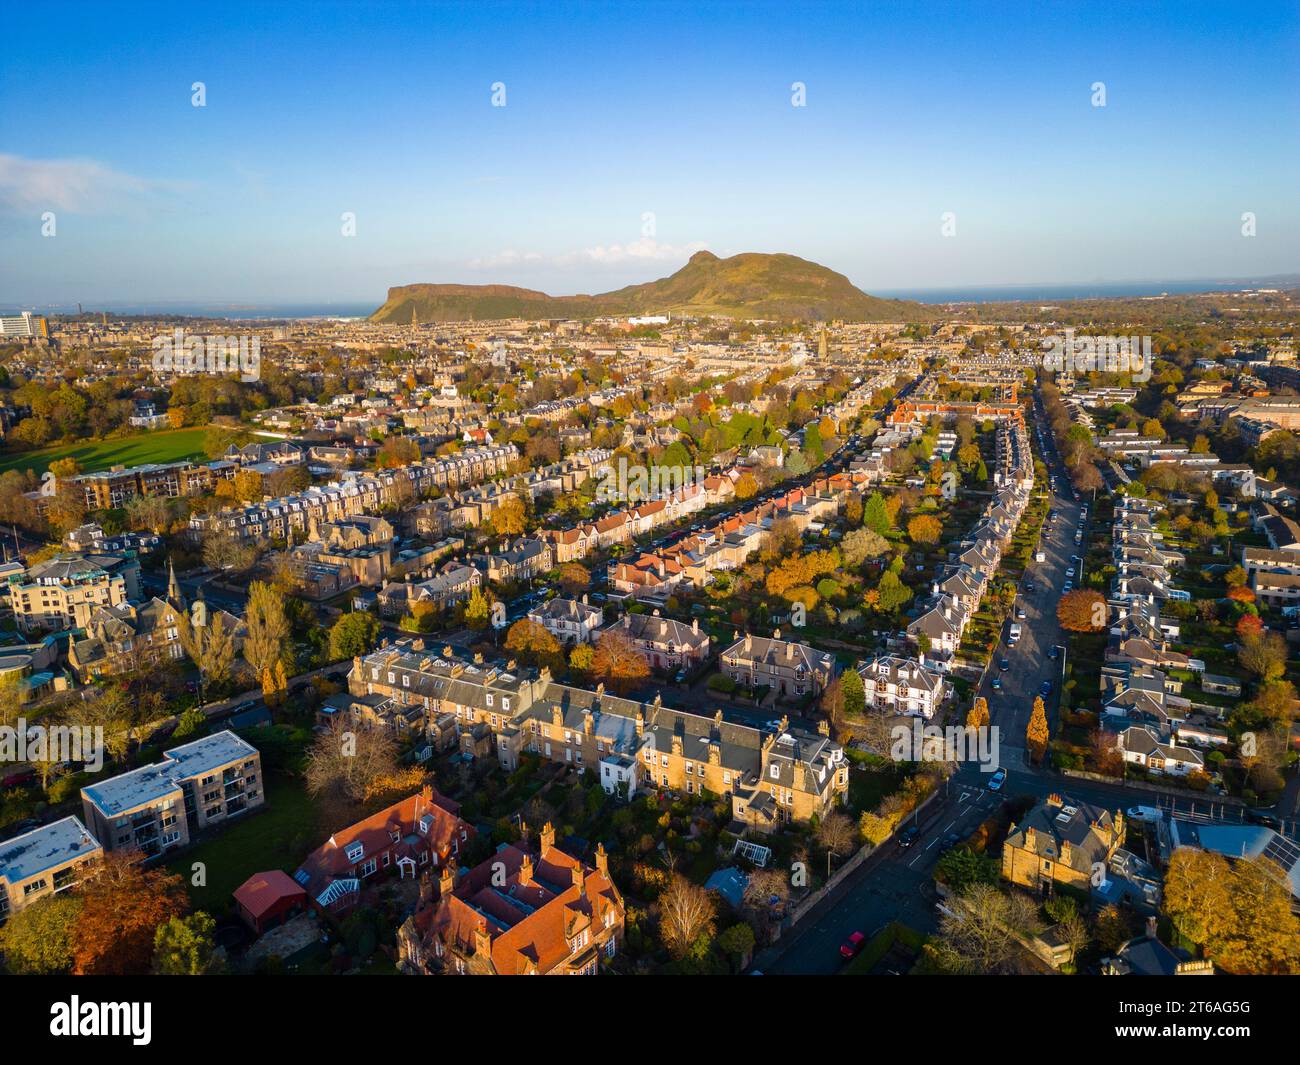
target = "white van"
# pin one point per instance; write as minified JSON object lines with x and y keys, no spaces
{"x":1014,"y":634}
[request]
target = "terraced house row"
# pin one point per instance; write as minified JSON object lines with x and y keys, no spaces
{"x":957,"y":594}
{"x":289,"y":515}
{"x":771,"y":778}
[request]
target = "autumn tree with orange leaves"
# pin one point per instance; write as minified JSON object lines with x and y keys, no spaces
{"x":1082,"y":610}
{"x":122,"y":906}
{"x":618,"y":663}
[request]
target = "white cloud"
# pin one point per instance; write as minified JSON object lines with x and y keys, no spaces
{"x":645,"y":249}
{"x":73,"y":185}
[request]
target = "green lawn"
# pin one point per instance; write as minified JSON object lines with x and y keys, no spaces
{"x":166,"y":445}
{"x":278,"y":837}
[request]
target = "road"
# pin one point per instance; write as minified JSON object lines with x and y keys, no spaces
{"x":1029,"y":661}
{"x":896,"y":883}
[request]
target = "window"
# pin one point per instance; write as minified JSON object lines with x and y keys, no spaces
{"x":368,"y":867}
{"x":776,"y":772}
{"x":354,"y":852}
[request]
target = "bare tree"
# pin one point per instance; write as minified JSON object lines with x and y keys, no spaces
{"x":686,"y":912}
{"x":350,"y":762}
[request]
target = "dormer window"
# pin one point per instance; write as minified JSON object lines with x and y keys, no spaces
{"x":776,"y":772}
{"x":354,"y":852}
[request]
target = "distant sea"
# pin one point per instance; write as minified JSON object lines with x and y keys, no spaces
{"x":1045,"y":293}
{"x":1078,"y":291}
{"x":236,"y":311}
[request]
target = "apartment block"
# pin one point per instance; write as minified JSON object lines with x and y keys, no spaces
{"x":65,"y":591}
{"x":163,"y":806}
{"x":44,"y":862}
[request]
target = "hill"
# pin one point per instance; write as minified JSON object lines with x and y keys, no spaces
{"x":750,"y":285}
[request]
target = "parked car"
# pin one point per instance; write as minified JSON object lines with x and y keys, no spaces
{"x":852,"y":946}
{"x":998,"y":778}
{"x":1265,"y":818}
{"x":1148,"y":814}
{"x":1005,"y":664}
{"x":1045,"y":689}
{"x":907,"y":837}
{"x":996,"y":684}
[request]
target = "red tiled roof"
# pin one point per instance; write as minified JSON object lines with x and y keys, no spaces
{"x":261,"y":891}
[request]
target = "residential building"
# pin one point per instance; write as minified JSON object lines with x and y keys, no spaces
{"x":421,"y":832}
{"x":664,"y":643}
{"x":524,"y":912}
{"x":1059,"y":842}
{"x":568,"y":620}
{"x":43,"y":862}
{"x":792,"y":669}
{"x":162,"y":806}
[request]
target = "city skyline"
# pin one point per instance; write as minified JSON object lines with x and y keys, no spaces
{"x":629,"y":140}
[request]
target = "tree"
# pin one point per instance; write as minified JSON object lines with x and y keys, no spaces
{"x":862,"y":544}
{"x":737,"y":942}
{"x":211,"y":646}
{"x":582,"y":658}
{"x":353,"y":634}
{"x":981,"y":936}
{"x":1239,"y":912}
{"x":397,"y":451}
{"x":351,"y":764}
{"x":510,"y":517}
{"x":268,"y":634}
{"x":39,"y":939}
{"x":891,"y":592}
{"x":532,"y":644}
{"x":1036,"y":734}
{"x":574,"y":579}
{"x":855,"y":695}
{"x":924,"y":529}
{"x":618,"y":662}
{"x":837,"y":833}
{"x":183,"y":946}
{"x":686,"y":912}
{"x":478,"y":610}
{"x":1082,"y":610}
{"x":122,"y":905}
{"x":1263,"y":654}
{"x":978,"y":717}
{"x":746,"y":486}
{"x":875,"y":516}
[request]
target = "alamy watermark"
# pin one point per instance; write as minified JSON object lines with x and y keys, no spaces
{"x":42,"y":745}
{"x":1080,"y":355}
{"x":631,"y":484}
{"x":177,"y":353}
{"x":919,"y":742}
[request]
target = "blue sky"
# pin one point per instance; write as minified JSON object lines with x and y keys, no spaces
{"x":613,"y":112}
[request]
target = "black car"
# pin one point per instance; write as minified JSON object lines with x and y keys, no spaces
{"x":1265,"y":818}
{"x":907,"y":837}
{"x":1045,"y":689}
{"x":949,"y":841}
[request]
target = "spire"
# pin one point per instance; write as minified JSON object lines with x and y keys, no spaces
{"x":173,"y":585}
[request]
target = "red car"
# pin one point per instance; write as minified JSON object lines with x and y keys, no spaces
{"x":852,"y":946}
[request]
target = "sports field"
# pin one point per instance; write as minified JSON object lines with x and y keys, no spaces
{"x":166,"y":445}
